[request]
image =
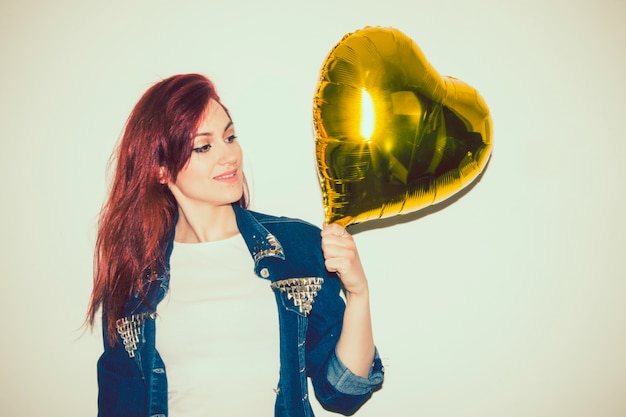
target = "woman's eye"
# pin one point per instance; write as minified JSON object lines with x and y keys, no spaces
{"x":231,"y":139}
{"x":202,"y":149}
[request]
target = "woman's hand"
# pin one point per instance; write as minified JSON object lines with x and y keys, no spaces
{"x":355,"y":347}
{"x":341,"y":256}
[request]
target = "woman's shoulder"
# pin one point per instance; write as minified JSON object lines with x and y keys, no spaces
{"x":269,"y":219}
{"x":295,"y":235}
{"x":288,"y":229}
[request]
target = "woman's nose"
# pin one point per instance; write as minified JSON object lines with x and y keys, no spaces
{"x":228,"y":153}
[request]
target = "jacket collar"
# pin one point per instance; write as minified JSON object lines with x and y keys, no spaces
{"x":261,"y":243}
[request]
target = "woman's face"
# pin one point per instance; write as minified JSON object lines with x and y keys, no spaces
{"x":213,"y":175}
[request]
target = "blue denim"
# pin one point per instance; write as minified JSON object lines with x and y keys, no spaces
{"x":132,"y":377}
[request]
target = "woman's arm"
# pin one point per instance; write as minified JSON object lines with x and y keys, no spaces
{"x":355,"y":348}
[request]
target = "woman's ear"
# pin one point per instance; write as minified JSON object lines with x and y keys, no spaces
{"x":164,"y":175}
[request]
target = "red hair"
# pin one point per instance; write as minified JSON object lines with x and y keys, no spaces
{"x":139,"y":213}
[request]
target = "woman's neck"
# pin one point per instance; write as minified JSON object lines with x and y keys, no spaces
{"x":201,"y":224}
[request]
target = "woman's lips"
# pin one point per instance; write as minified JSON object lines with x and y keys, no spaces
{"x":229,"y":176}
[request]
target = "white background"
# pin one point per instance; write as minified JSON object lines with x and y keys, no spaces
{"x":508,"y":302}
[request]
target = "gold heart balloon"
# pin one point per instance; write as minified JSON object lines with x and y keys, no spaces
{"x":392,"y":135}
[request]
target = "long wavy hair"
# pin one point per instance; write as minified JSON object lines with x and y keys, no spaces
{"x":139,"y":212}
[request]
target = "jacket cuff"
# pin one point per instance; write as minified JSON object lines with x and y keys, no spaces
{"x":346,"y":382}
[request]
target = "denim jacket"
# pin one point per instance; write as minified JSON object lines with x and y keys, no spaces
{"x":131,"y":375}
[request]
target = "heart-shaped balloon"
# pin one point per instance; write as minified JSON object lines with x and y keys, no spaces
{"x":392,"y":135}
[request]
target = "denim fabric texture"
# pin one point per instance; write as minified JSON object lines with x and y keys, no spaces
{"x":132,"y":377}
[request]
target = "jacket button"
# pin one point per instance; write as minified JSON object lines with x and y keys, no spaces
{"x":265,"y":272}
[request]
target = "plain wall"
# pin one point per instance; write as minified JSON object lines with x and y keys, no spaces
{"x":507,"y":302}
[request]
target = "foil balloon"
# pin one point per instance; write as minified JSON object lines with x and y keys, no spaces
{"x":392,"y":135}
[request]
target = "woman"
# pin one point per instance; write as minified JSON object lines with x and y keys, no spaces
{"x":184,"y":272}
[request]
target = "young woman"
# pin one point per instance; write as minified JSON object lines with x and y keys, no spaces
{"x":188,"y":280}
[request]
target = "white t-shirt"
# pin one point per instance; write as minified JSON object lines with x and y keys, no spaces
{"x":217,"y":332}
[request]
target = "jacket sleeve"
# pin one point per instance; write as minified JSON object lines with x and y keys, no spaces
{"x":123,"y":380}
{"x":336,"y":387}
{"x":121,"y":387}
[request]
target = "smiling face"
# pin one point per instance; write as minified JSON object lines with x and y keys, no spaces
{"x":213,"y":176}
